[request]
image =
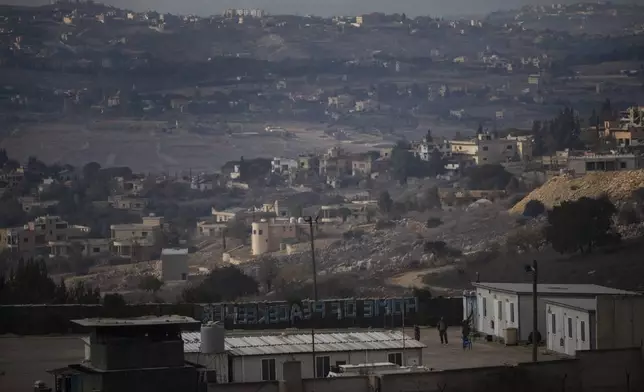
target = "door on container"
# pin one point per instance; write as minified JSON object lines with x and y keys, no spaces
{"x":498,"y":318}
{"x":553,"y":341}
{"x":582,"y":335}
{"x":510,"y":316}
{"x":569,"y":336}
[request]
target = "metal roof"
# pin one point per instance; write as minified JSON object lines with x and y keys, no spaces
{"x":553,"y":289}
{"x":301,"y":343}
{"x":174,"y":251}
{"x":147,"y":320}
{"x":587,"y":304}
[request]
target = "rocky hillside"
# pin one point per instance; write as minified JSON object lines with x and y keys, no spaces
{"x":617,"y":185}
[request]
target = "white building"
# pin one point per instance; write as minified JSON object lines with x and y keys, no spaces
{"x":583,"y":164}
{"x":261,"y":358}
{"x":509,"y":305}
{"x":604,"y":322}
{"x":284,"y":165}
{"x":174,"y":264}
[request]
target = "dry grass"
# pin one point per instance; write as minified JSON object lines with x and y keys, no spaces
{"x":617,"y":185}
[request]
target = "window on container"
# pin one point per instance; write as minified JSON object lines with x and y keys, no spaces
{"x":484,"y":307}
{"x":500,"y":306}
{"x":268,"y":370}
{"x":553,"y":326}
{"x":322,"y":366}
{"x":569,"y":327}
{"x":582,"y":330}
{"x":511,"y":312}
{"x":395,"y":358}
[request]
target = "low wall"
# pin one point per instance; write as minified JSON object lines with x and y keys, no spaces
{"x":55,"y":319}
{"x":498,"y":379}
{"x":591,"y":371}
{"x":264,"y":386}
{"x":336,"y":384}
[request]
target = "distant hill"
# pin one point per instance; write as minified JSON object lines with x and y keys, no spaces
{"x":617,"y":185}
{"x":326,"y":7}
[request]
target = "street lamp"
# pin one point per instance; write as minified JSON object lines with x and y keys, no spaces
{"x":533,"y":269}
{"x":310,"y":220}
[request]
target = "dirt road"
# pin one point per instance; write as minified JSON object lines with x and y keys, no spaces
{"x":414,"y":279}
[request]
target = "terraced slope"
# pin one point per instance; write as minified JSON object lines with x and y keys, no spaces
{"x":617,"y":185}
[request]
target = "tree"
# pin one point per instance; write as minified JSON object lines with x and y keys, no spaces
{"x":525,"y":239}
{"x":237,"y":229}
{"x":150,"y":283}
{"x":428,"y":137}
{"x":345,"y":213}
{"x":83,"y":294}
{"x":268,"y":271}
{"x":581,"y":225}
{"x":11,"y":213}
{"x":385,"y":203}
{"x":114,"y":301}
{"x":90,"y":171}
{"x":534,"y":208}
{"x":488,"y":177}
{"x":222,"y":284}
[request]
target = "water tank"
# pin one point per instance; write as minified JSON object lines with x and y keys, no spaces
{"x":511,"y":336}
{"x":292,"y":220}
{"x":300,"y":220}
{"x":212,"y":338}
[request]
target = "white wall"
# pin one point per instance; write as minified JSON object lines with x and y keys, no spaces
{"x":249,"y":368}
{"x":501,"y":309}
{"x":565,"y":338}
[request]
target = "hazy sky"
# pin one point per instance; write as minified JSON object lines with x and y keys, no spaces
{"x":324,"y":7}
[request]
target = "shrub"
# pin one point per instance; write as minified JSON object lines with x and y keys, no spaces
{"x":534,"y":208}
{"x":433,"y":222}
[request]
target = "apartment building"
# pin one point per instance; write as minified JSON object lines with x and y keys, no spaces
{"x":487,"y":148}
{"x":580,"y":165}
{"x":38,"y":236}
{"x":132,"y":204}
{"x":137,"y":240}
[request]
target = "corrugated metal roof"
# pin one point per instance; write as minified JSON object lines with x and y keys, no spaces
{"x":588,"y":304}
{"x":301,"y":343}
{"x":554,"y":289}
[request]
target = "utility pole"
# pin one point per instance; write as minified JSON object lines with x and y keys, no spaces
{"x":404,"y":362}
{"x":310,"y":220}
{"x":535,"y":313}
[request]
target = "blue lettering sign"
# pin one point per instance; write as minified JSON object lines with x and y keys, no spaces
{"x":350,"y":309}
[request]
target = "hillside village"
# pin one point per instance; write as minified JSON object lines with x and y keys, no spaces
{"x":108,"y":227}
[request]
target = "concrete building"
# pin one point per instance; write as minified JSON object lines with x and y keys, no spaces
{"x":227,"y":215}
{"x":284,"y":165}
{"x":580,"y":165}
{"x":487,"y":148}
{"x":351,"y":212}
{"x":137,"y":240}
{"x":261,"y":358}
{"x":509,"y":305}
{"x":267,"y":236}
{"x":361,"y":165}
{"x":84,"y":247}
{"x":37,"y":236}
{"x":133,"y":204}
{"x":209,"y":227}
{"x":308,"y":162}
{"x":604,"y":322}
{"x":174,"y":264}
{"x":143,"y":354}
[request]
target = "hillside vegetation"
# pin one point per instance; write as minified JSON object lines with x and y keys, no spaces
{"x":618,"y":186}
